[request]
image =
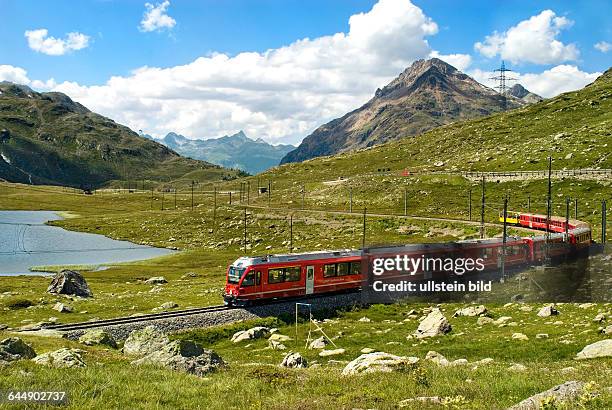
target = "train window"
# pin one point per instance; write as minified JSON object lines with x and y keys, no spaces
{"x":355,"y":268}
{"x":276,"y":275}
{"x":292,"y":274}
{"x":249,"y":279}
{"x":258,"y":278}
{"x":343,"y":269}
{"x":329,"y":270}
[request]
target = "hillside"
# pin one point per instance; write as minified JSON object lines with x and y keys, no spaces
{"x":575,"y":128}
{"x":520,"y":92}
{"x":46,"y":138}
{"x":233,"y":151}
{"x":426,"y":95}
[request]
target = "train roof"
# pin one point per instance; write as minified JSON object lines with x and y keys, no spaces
{"x":292,"y":257}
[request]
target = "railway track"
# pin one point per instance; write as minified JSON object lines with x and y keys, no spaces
{"x":69,"y":327}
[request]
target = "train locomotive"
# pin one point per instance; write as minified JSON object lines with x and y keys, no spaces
{"x":264,"y":278}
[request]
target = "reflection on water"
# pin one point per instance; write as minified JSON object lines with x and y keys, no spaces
{"x":25,"y":242}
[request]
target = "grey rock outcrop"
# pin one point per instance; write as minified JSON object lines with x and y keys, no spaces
{"x":145,"y":341}
{"x":156,"y":280}
{"x":184,"y":356}
{"x":98,"y":337}
{"x":566,"y":391}
{"x":378,"y":362}
{"x":471,"y":311}
{"x":14,"y":348}
{"x":294,"y":360}
{"x":62,"y":358}
{"x":69,"y":282}
{"x":434,"y":324}
{"x":603,"y":348}
{"x":253,"y":333}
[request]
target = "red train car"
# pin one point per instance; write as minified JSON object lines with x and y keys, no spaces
{"x":250,"y":279}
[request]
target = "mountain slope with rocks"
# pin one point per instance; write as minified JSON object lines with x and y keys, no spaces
{"x":428,"y":94}
{"x":233,"y":151}
{"x":47,"y":138}
{"x":523,"y":94}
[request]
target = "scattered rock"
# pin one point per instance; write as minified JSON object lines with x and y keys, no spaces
{"x":60,"y":307}
{"x":184,"y":356}
{"x":334,"y":352}
{"x":275,"y":345}
{"x":517,"y":297}
{"x":483,"y":320}
{"x":599,"y":318}
{"x":526,"y":308}
{"x":502,"y":320}
{"x":603,"y":348}
{"x":378,"y":362}
{"x":364,"y":319}
{"x":156,"y":280}
{"x":586,"y":305}
{"x":486,"y":360}
{"x":566,"y":391}
{"x":542,"y":336}
{"x":277,"y":337}
{"x":251,"y":334}
{"x":433,"y":325}
{"x":14,"y":348}
{"x":319,"y":343}
{"x":145,"y":341}
{"x":62,"y":358}
{"x":166,"y":306}
{"x":548,"y":310}
{"x":69,"y":282}
{"x":517,"y":367}
{"x":189,"y":275}
{"x":294,"y":361}
{"x":459,"y":362}
{"x":607,"y":330}
{"x":97,"y":337}
{"x":519,"y":336}
{"x":367,"y":350}
{"x":437,"y":358}
{"x":471,"y":311}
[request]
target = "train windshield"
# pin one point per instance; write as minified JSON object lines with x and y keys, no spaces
{"x":235,"y":274}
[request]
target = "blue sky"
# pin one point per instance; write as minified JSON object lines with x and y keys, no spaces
{"x":310,"y":83}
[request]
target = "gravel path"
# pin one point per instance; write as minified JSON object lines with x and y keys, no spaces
{"x":202,"y":320}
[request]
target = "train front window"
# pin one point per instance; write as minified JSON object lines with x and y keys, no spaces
{"x":235,"y":274}
{"x":249,"y":279}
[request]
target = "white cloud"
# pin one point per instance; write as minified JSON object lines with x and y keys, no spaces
{"x":531,"y":41}
{"x":156,"y":18}
{"x":460,"y":61}
{"x":549,"y":83}
{"x":281,"y":94}
{"x":603,"y":46}
{"x":14,"y":74}
{"x":40,"y":42}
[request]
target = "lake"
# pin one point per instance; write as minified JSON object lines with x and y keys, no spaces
{"x":26,"y":242}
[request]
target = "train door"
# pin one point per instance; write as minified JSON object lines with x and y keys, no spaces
{"x":310,"y":279}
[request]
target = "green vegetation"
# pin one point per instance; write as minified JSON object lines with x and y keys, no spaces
{"x":49,"y":139}
{"x":254,"y":380}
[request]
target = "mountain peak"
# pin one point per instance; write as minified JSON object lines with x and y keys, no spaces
{"x":520,"y":92}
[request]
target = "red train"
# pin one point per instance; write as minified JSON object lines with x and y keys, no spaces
{"x":251,"y":279}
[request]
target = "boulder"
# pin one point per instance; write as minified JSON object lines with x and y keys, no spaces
{"x":334,"y":352}
{"x":62,"y":308}
{"x":319,"y":343}
{"x":548,"y":310}
{"x":294,"y":361}
{"x":69,"y":282}
{"x":166,"y":306}
{"x":367,"y":350}
{"x":607,"y":330}
{"x":378,"y":362}
{"x":600,"y":317}
{"x":566,"y":391}
{"x":156,"y":280}
{"x":517,"y":367}
{"x":437,"y":358}
{"x":94,"y":337}
{"x":275,"y":345}
{"x":184,"y":356}
{"x":277,"y":337}
{"x":145,"y":341}
{"x":483,"y":320}
{"x":365,"y":319}
{"x":14,"y":348}
{"x":251,"y":334}
{"x":471,"y":311}
{"x":62,"y":358}
{"x":519,"y":336}
{"x":434,"y":324}
{"x":603,"y":348}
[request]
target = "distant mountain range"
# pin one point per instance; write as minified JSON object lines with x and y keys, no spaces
{"x":234,"y":151}
{"x":520,"y":92}
{"x":47,"y":138}
{"x":428,"y":94}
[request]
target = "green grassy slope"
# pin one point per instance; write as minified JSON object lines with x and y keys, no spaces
{"x":46,"y":138}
